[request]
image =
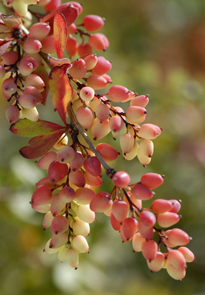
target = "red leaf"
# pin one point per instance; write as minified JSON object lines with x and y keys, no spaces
{"x":60,"y":34}
{"x":61,"y":89}
{"x":40,"y":145}
{"x":27,"y":128}
{"x":70,"y":13}
{"x":4,"y":45}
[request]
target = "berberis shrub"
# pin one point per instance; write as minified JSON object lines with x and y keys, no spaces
{"x":70,"y":194}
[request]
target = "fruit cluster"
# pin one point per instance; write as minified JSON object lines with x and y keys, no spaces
{"x":70,"y":195}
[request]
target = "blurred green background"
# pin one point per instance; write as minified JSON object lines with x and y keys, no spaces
{"x":157,"y":48}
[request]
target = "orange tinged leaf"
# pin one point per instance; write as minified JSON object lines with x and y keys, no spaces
{"x":60,"y":34}
{"x":40,"y":145}
{"x":61,"y":88}
{"x":58,"y":62}
{"x":27,"y":128}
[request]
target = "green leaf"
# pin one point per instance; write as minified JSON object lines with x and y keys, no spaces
{"x":40,"y":145}
{"x":61,"y":88}
{"x":59,"y":34}
{"x":27,"y":128}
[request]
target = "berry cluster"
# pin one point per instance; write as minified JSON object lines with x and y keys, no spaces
{"x":70,"y":194}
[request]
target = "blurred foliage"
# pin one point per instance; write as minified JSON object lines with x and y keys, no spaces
{"x":157,"y":47}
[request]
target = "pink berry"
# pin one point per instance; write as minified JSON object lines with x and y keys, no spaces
{"x":99,"y":41}
{"x":118,"y":93}
{"x":176,"y":259}
{"x":140,"y":101}
{"x":52,"y":5}
{"x":102,"y":66}
{"x":32,"y":45}
{"x":128,"y":229}
{"x":65,"y":154}
{"x":47,"y":159}
{"x":157,"y":263}
{"x":57,"y":205}
{"x":39,"y":30}
{"x":59,"y":224}
{"x":93,"y":22}
{"x":84,"y":195}
{"x":152,"y":180}
{"x":92,"y":180}
{"x":102,"y":112}
{"x":107,"y":152}
{"x":57,"y":171}
{"x":42,"y":195}
{"x":147,"y":218}
{"x":85,"y":117}
{"x":149,"y":131}
{"x":101,"y":202}
{"x":78,"y":69}
{"x":188,"y":254}
{"x":114,"y":222}
{"x":71,"y":46}
{"x":67,"y":194}
{"x":178,"y":237}
{"x":87,"y":93}
{"x":58,"y":240}
{"x":93,"y":166}
{"x":77,"y":178}
{"x":142,"y":192}
{"x":48,"y":45}
{"x":84,"y":49}
{"x":116,"y":123}
{"x":127,"y":143}
{"x":149,"y":249}
{"x":10,"y":57}
{"x":136,"y":114}
{"x":161,"y":206}
{"x":12,"y":113}
{"x":97,"y":82}
{"x":121,"y":179}
{"x":100,"y":130}
{"x":77,"y":162}
{"x":90,"y":61}
{"x":120,"y":210}
{"x":167,"y":219}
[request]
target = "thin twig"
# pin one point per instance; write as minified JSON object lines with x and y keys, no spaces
{"x":109,"y":171}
